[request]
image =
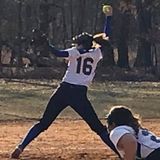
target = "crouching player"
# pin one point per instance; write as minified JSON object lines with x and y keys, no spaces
{"x":131,"y":140}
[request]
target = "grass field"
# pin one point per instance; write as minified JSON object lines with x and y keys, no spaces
{"x":27,"y":99}
{"x":69,"y":138}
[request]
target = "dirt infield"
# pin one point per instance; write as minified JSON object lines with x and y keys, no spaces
{"x":64,"y":140}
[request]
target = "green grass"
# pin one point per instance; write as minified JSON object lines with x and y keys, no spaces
{"x":28,"y":100}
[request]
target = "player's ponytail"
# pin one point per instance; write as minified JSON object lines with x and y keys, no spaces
{"x":103,"y":41}
{"x":88,"y":41}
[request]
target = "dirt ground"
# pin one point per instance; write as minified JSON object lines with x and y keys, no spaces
{"x":64,"y":140}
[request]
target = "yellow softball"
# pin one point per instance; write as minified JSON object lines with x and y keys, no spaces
{"x":107,"y":9}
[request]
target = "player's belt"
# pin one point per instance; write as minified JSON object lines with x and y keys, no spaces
{"x":73,"y":85}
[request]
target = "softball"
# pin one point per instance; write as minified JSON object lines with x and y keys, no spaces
{"x":107,"y":10}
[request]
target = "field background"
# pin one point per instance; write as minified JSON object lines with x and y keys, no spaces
{"x":22,"y":102}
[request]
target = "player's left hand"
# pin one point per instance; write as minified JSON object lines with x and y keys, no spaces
{"x":100,"y":37}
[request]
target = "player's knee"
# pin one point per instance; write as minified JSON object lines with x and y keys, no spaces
{"x":42,"y":126}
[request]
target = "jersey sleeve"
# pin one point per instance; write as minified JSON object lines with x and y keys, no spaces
{"x":116,"y":135}
{"x":107,"y":25}
{"x":99,"y":54}
{"x":73,"y":52}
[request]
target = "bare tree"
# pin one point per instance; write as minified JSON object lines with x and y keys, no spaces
{"x":144,"y":54}
{"x":123,"y":36}
{"x":19,"y":56}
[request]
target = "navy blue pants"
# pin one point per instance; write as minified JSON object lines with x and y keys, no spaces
{"x":76,"y":97}
{"x":155,"y":155}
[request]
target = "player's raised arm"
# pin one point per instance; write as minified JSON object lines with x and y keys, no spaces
{"x":108,"y":11}
{"x":102,"y":39}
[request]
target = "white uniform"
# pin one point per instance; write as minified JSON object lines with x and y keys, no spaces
{"x":81,"y":67}
{"x":148,"y":141}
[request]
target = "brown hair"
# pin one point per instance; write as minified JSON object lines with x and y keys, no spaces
{"x":88,"y":41}
{"x":84,"y":39}
{"x":122,"y":115}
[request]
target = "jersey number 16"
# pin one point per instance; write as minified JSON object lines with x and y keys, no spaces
{"x":84,"y":65}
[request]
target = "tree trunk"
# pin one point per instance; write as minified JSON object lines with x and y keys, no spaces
{"x":19,"y":48}
{"x":0,"y":52}
{"x":158,"y":60}
{"x":71,"y":16}
{"x":108,"y":55}
{"x":44,"y":17}
{"x":122,"y":43}
{"x":123,"y":61}
{"x":80,"y":27}
{"x":144,"y":54}
{"x":144,"y":57}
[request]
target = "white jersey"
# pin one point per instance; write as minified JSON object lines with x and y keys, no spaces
{"x":81,"y":67}
{"x":147,"y":140}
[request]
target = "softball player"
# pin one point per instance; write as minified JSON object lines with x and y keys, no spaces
{"x":72,"y":91}
{"x":131,"y":140}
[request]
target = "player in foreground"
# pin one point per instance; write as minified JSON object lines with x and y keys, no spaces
{"x":72,"y":91}
{"x":131,"y":140}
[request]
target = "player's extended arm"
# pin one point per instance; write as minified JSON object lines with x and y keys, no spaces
{"x":44,"y":42}
{"x":58,"y":53}
{"x":63,"y":53}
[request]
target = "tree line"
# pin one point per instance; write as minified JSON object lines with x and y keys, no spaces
{"x":135,"y":29}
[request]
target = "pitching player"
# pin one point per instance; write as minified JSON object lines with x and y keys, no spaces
{"x":72,"y":91}
{"x":131,"y":140}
